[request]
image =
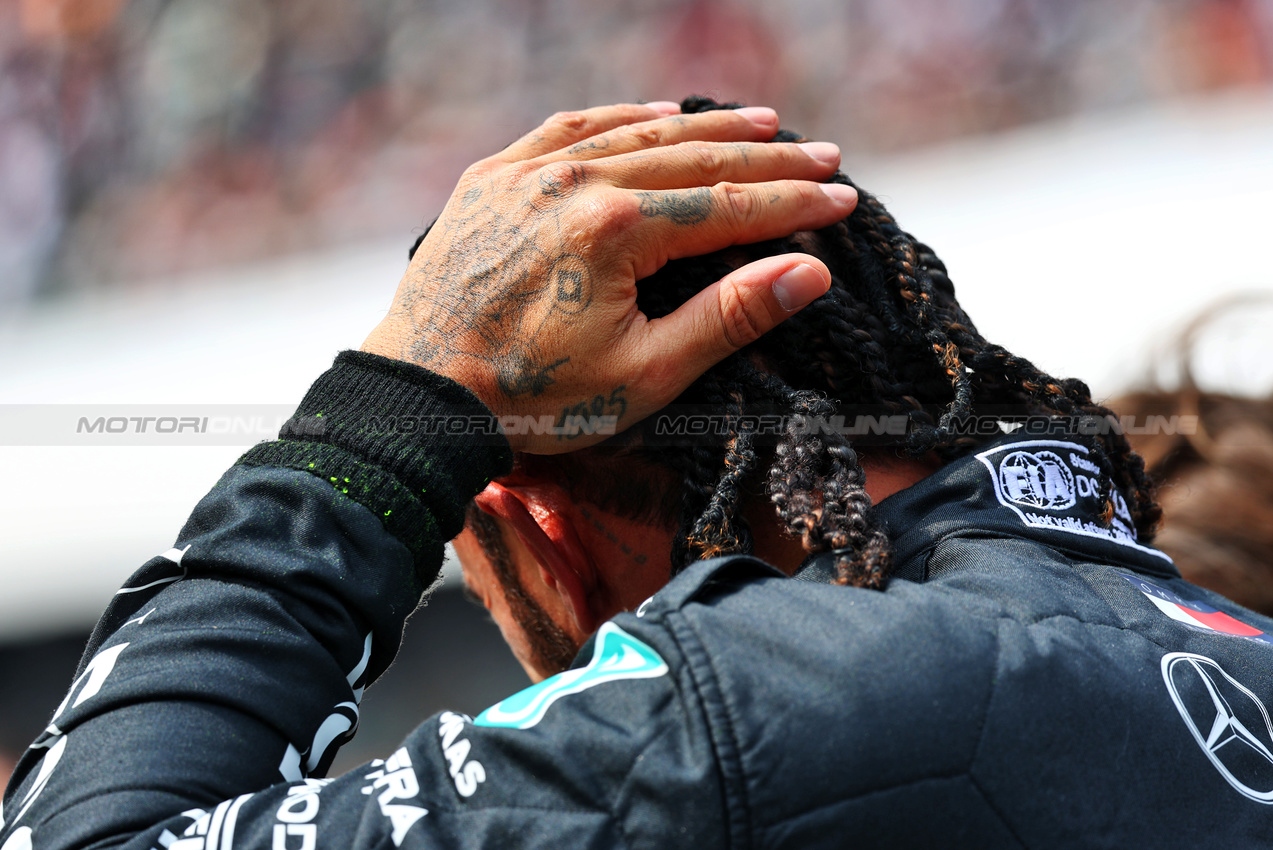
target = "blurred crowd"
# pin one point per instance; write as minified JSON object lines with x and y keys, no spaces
{"x":1216,"y":478}
{"x":143,"y":138}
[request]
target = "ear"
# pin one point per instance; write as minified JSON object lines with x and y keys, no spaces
{"x":541,"y":515}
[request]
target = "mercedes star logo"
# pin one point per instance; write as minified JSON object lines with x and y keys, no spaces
{"x":1227,"y":720}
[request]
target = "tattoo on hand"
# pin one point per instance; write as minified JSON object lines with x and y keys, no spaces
{"x":490,"y":288}
{"x":571,"y":280}
{"x":490,"y":291}
{"x":691,"y":206}
{"x":560,"y":182}
{"x":520,"y":375}
{"x":598,"y":144}
{"x":598,"y":416}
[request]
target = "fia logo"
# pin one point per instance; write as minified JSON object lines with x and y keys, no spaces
{"x":1227,"y":720}
{"x":1037,"y":480}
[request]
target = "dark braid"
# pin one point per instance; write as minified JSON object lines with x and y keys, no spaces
{"x":721,"y":529}
{"x":889,"y":334}
{"x":901,"y":260}
{"x":701,"y":465}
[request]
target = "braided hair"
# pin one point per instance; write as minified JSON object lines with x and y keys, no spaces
{"x":888,"y":335}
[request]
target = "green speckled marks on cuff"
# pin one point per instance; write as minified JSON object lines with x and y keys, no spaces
{"x":411,"y":446}
{"x":403,"y":515}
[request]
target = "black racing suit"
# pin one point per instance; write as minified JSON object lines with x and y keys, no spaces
{"x":1031,"y":677}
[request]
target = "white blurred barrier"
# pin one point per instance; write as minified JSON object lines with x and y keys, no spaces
{"x":1083,"y":245}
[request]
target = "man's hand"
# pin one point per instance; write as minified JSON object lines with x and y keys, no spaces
{"x":525,"y":289}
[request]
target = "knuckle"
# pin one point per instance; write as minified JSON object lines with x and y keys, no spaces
{"x":572,"y":121}
{"x":648,"y":136}
{"x":561,"y":170}
{"x":608,"y":214}
{"x":517,"y":173}
{"x":561,"y":178}
{"x":473,"y":180}
{"x":475,"y":173}
{"x":741,"y":321}
{"x":709,"y":160}
{"x":736,"y":202}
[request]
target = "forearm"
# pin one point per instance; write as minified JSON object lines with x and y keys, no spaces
{"x":237,"y":661}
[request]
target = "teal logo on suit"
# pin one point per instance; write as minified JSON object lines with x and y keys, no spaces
{"x":616,"y":655}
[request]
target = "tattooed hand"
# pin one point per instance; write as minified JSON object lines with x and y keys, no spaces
{"x":525,"y":288}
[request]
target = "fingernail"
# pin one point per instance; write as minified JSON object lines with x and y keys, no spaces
{"x":799,"y":286}
{"x":840,"y":193}
{"x":666,"y":107}
{"x":823,"y":152}
{"x":761,"y":115}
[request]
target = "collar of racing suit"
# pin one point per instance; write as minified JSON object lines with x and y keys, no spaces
{"x":1022,"y":487}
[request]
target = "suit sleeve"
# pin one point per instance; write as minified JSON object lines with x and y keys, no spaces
{"x":219,"y":684}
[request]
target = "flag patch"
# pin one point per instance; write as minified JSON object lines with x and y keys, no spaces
{"x":1195,"y":613}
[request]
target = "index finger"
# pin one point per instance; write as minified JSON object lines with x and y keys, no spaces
{"x":566,"y":128}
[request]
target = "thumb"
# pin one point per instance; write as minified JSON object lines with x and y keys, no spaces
{"x":735,"y":312}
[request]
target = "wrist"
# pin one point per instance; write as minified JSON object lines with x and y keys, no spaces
{"x":391,"y":340}
{"x":435,"y":442}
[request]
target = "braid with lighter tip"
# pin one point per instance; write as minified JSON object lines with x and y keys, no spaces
{"x":888,"y":334}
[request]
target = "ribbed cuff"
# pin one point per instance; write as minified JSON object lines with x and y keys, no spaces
{"x":411,"y":446}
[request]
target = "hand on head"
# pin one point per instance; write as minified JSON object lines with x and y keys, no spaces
{"x":525,"y":288}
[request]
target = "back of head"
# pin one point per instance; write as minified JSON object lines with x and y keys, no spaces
{"x":889,"y":339}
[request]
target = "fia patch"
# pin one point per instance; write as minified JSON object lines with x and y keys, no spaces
{"x":1053,"y":484}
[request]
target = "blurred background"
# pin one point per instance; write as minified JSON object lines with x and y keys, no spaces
{"x":201,"y":203}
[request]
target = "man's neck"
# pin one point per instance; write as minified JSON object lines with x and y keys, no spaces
{"x":886,"y":474}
